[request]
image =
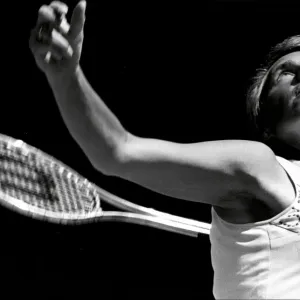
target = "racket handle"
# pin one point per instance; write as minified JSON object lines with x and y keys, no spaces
{"x":152,"y":221}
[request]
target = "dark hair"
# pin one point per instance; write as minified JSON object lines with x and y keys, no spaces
{"x":263,"y":115}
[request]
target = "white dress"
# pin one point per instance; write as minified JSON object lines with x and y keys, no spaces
{"x":259,"y":260}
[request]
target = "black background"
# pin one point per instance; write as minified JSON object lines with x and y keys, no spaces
{"x":171,"y":71}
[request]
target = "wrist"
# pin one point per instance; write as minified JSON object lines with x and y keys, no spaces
{"x":63,"y":79}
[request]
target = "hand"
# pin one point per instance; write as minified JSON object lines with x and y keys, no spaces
{"x":55,"y":44}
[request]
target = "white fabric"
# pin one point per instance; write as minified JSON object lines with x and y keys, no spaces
{"x":259,"y":260}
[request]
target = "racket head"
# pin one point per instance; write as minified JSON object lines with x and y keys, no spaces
{"x":39,"y":186}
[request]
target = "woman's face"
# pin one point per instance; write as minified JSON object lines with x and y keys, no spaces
{"x":285,"y":88}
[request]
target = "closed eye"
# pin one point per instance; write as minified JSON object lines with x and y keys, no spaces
{"x":285,"y":73}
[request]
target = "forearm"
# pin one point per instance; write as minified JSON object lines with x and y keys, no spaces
{"x":90,"y":122}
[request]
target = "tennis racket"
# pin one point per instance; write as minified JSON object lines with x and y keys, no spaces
{"x":39,"y":186}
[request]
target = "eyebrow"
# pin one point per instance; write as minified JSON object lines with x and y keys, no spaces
{"x":270,"y":77}
{"x":288,"y":63}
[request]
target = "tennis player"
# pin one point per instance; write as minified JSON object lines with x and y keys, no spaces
{"x":254,"y":193}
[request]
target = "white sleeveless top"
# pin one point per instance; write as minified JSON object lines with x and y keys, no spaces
{"x":259,"y":260}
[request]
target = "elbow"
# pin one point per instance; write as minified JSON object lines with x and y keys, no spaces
{"x":108,"y":169}
{"x":114,"y":163}
{"x":111,"y":166}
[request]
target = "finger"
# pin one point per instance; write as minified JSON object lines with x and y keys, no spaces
{"x":60,"y":7}
{"x":61,"y":43}
{"x":54,"y":42}
{"x":64,"y":27}
{"x":44,"y":31}
{"x":46,"y":15}
{"x":77,"y":20}
{"x":48,"y":21}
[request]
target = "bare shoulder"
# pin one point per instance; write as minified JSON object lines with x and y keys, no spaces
{"x":274,"y":185}
{"x":271,"y":192}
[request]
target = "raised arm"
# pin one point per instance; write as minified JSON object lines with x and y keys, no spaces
{"x":207,"y":172}
{"x":88,"y":119}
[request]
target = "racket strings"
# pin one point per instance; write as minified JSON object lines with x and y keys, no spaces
{"x":43,"y":183}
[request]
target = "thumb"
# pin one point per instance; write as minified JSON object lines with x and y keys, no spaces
{"x":78,"y":19}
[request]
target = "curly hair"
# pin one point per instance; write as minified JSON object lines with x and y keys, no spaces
{"x":263,"y":115}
